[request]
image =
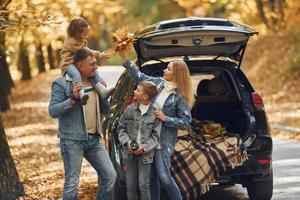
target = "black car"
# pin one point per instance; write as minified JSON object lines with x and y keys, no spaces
{"x":213,"y":50}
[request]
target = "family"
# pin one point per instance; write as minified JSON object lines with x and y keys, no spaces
{"x":147,"y":128}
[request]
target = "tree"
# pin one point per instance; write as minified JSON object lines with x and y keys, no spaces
{"x":23,"y":61}
{"x":40,"y":57}
{"x":271,"y":12}
{"x":50,"y":57}
{"x":6,"y":82}
{"x":10,"y":185}
{"x":261,"y":12}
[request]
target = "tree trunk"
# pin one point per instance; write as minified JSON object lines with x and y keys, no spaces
{"x":281,"y":5}
{"x":4,"y":103}
{"x":40,"y":58}
{"x":24,"y":62}
{"x":57,"y":57}
{"x":10,"y":185}
{"x":6,"y":82}
{"x":50,"y":57}
{"x":261,"y":12}
{"x":272,"y":5}
{"x":274,"y":17}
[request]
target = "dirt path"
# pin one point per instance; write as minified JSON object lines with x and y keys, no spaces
{"x":32,"y":136}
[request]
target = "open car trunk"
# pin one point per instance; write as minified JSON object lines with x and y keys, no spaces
{"x":218,"y":96}
{"x":218,"y":100}
{"x":222,"y":109}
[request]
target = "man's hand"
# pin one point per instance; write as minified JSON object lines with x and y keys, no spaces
{"x":139,"y":151}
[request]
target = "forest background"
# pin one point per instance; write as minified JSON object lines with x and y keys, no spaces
{"x":31,"y":36}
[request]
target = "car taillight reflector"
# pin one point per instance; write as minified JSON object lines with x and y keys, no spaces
{"x":257,"y":100}
{"x":264,"y":161}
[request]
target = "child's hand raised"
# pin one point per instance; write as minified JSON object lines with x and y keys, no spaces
{"x":104,"y":55}
{"x":76,"y":87}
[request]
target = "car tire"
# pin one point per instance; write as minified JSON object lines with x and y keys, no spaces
{"x":120,"y":191}
{"x":261,"y":190}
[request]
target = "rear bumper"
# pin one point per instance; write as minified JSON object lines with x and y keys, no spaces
{"x":251,"y":170}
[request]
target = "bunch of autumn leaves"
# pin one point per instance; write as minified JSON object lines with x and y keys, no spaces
{"x":123,"y":39}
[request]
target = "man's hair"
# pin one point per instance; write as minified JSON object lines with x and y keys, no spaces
{"x":76,"y":27}
{"x":82,"y":54}
{"x":149,"y":88}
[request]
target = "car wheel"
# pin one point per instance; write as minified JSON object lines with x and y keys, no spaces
{"x":120,"y":191}
{"x":261,"y":190}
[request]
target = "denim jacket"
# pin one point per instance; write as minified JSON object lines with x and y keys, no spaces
{"x":71,"y":121}
{"x":176,"y":110}
{"x":129,"y":124}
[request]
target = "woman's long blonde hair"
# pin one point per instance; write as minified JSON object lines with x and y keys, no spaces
{"x":182,"y":78}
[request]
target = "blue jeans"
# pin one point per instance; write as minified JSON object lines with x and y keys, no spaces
{"x":138,"y":174}
{"x":74,"y":73}
{"x":160,"y":171}
{"x":72,"y":152}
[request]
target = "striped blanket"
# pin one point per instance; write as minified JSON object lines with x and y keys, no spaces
{"x":198,"y":158}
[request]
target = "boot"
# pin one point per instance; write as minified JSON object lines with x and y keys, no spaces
{"x":83,"y":97}
{"x":103,"y":91}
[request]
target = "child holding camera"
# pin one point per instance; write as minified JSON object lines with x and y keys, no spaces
{"x":138,"y":131}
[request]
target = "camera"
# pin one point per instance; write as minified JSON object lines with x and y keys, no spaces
{"x":134,"y":145}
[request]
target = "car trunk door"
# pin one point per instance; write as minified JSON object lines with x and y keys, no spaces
{"x":216,"y":41}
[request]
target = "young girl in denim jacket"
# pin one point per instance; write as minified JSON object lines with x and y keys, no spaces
{"x":173,"y":104}
{"x":138,"y":131}
{"x":77,"y":39}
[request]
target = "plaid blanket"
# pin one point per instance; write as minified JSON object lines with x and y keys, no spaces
{"x":199,"y":157}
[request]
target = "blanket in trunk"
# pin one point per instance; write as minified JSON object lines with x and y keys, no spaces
{"x":199,"y":157}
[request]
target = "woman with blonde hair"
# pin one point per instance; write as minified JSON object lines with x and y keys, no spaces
{"x":173,"y":103}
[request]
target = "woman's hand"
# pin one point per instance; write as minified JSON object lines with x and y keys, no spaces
{"x":160,"y":115}
{"x":122,"y":54}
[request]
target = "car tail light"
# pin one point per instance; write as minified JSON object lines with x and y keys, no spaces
{"x":264,"y":161}
{"x":257,"y":100}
